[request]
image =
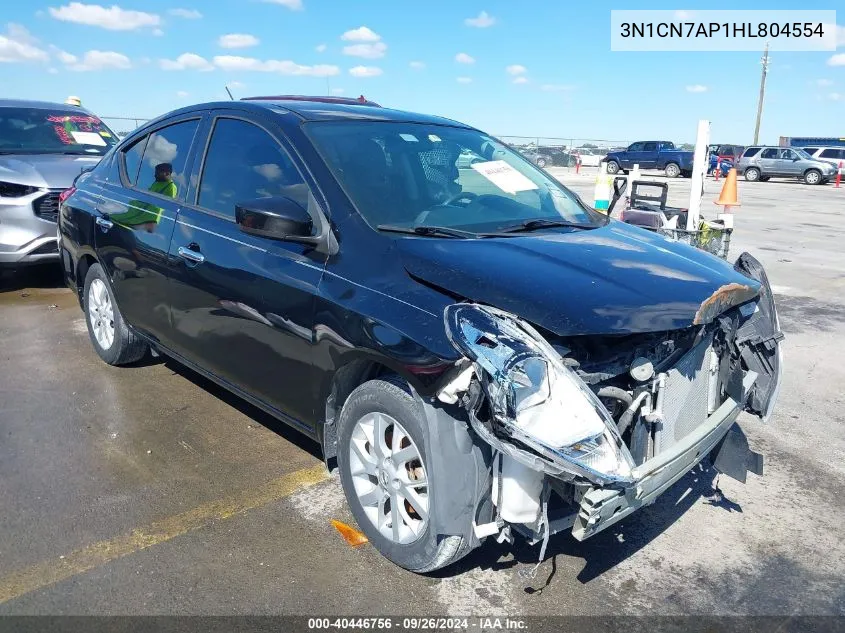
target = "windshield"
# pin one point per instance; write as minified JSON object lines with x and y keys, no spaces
{"x":53,"y":131}
{"x":802,"y":153}
{"x":413,"y":174}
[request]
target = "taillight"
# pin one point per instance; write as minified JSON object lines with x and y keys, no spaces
{"x":67,"y":193}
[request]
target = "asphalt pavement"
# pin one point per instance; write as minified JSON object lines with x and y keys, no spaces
{"x":148,"y":490}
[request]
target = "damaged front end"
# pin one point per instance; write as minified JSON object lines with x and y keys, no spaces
{"x":586,"y":430}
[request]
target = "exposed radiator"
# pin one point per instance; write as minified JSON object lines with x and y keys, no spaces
{"x":686,"y":396}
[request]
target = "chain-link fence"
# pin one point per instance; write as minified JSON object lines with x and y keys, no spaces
{"x":583,"y":145}
{"x":122,"y":125}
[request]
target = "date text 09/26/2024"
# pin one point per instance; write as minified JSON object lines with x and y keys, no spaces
{"x":418,"y":623}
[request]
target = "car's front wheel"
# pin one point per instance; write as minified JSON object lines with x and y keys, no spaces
{"x":111,"y":337}
{"x":388,"y":479}
{"x":541,"y":163}
{"x":812,"y":177}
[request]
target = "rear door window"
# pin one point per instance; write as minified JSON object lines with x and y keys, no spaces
{"x":650,"y":147}
{"x":833,"y":153}
{"x":771,"y":152}
{"x":162,"y":169}
{"x":132,"y":160}
{"x":751,"y":151}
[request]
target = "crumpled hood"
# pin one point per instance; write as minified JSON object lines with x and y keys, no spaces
{"x":611,"y":280}
{"x":51,"y":171}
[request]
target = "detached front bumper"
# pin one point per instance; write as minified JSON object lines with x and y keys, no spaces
{"x":601,"y":507}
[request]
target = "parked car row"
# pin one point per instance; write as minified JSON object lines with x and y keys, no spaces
{"x":760,"y":163}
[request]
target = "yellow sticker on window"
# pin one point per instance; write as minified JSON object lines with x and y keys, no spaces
{"x":105,"y":134}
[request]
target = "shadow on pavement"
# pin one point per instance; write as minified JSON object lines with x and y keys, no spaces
{"x":37,"y":276}
{"x":608,"y":548}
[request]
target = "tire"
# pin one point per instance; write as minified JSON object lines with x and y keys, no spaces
{"x":612,"y":167}
{"x":541,"y":163}
{"x":672,"y":170}
{"x":752,"y":174}
{"x":813,"y":177}
{"x":387,"y":401}
{"x":122,"y":347}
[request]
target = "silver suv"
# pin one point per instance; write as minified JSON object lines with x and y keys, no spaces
{"x":43,"y":148}
{"x":761,"y":163}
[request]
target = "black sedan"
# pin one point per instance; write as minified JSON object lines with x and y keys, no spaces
{"x":478,"y":351}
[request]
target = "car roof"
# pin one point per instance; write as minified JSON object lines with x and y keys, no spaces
{"x":45,"y":105}
{"x":323,"y":111}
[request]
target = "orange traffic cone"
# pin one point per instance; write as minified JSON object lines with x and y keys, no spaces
{"x":728,"y":196}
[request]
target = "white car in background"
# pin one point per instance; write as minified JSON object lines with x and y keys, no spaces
{"x":589,"y":157}
{"x":832,"y":155}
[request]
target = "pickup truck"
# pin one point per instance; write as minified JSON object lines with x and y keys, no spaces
{"x":651,"y":155}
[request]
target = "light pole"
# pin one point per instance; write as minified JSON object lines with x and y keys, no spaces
{"x":765,"y":62}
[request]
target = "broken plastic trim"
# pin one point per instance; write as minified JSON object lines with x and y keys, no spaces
{"x":534,"y":399}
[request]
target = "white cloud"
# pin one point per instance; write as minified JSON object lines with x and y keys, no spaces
{"x":158,"y":32}
{"x":293,"y":5}
{"x":188,"y":14}
{"x":683,"y":15}
{"x":824,"y":83}
{"x":361,"y":34}
{"x":101,"y":60}
{"x":464,"y":80}
{"x":112,"y":18}
{"x":556,"y":88}
{"x":482,"y":21}
{"x":283,"y":67}
{"x":186,"y":61}
{"x":837,"y":60}
{"x":53,"y":71}
{"x":65,"y":57}
{"x":237,"y":40}
{"x":338,"y":91}
{"x":365,"y":71}
{"x":516,"y":69}
{"x":320,"y":48}
{"x":417,"y":65}
{"x":835,"y":96}
{"x":19,"y":46}
{"x":696,"y":88}
{"x":181,"y":94}
{"x":463,"y":58}
{"x":521,"y":80}
{"x":375,"y":50}
{"x":236,"y":84}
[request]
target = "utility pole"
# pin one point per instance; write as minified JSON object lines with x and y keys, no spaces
{"x":765,"y":62}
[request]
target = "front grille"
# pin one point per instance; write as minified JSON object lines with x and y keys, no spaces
{"x":47,"y":207}
{"x":686,"y":396}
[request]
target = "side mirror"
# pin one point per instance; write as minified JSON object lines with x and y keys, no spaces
{"x":796,"y":158}
{"x":278,"y":218}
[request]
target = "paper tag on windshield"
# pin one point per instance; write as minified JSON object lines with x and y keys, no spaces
{"x":88,"y":138}
{"x":504,"y":176}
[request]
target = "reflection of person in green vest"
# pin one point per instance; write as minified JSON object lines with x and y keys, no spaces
{"x":144,"y":215}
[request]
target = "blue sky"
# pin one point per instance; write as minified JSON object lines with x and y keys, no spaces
{"x":533,"y":68}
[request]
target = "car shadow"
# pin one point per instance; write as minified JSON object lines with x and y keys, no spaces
{"x":42,"y":276}
{"x":606,"y":549}
{"x":259,"y":416}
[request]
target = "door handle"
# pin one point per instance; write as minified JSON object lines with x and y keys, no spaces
{"x":191,"y":255}
{"x":104,"y":223}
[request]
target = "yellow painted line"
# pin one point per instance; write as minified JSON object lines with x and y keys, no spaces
{"x":52,"y":571}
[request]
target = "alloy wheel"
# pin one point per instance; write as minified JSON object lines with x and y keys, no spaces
{"x":389,"y":478}
{"x":101,"y":313}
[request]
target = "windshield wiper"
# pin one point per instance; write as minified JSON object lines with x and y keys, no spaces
{"x":426,"y":231}
{"x":541,"y":223}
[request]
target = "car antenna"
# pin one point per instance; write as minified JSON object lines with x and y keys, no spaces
{"x":230,"y":93}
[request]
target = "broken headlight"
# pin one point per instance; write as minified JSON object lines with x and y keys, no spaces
{"x":534,"y":397}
